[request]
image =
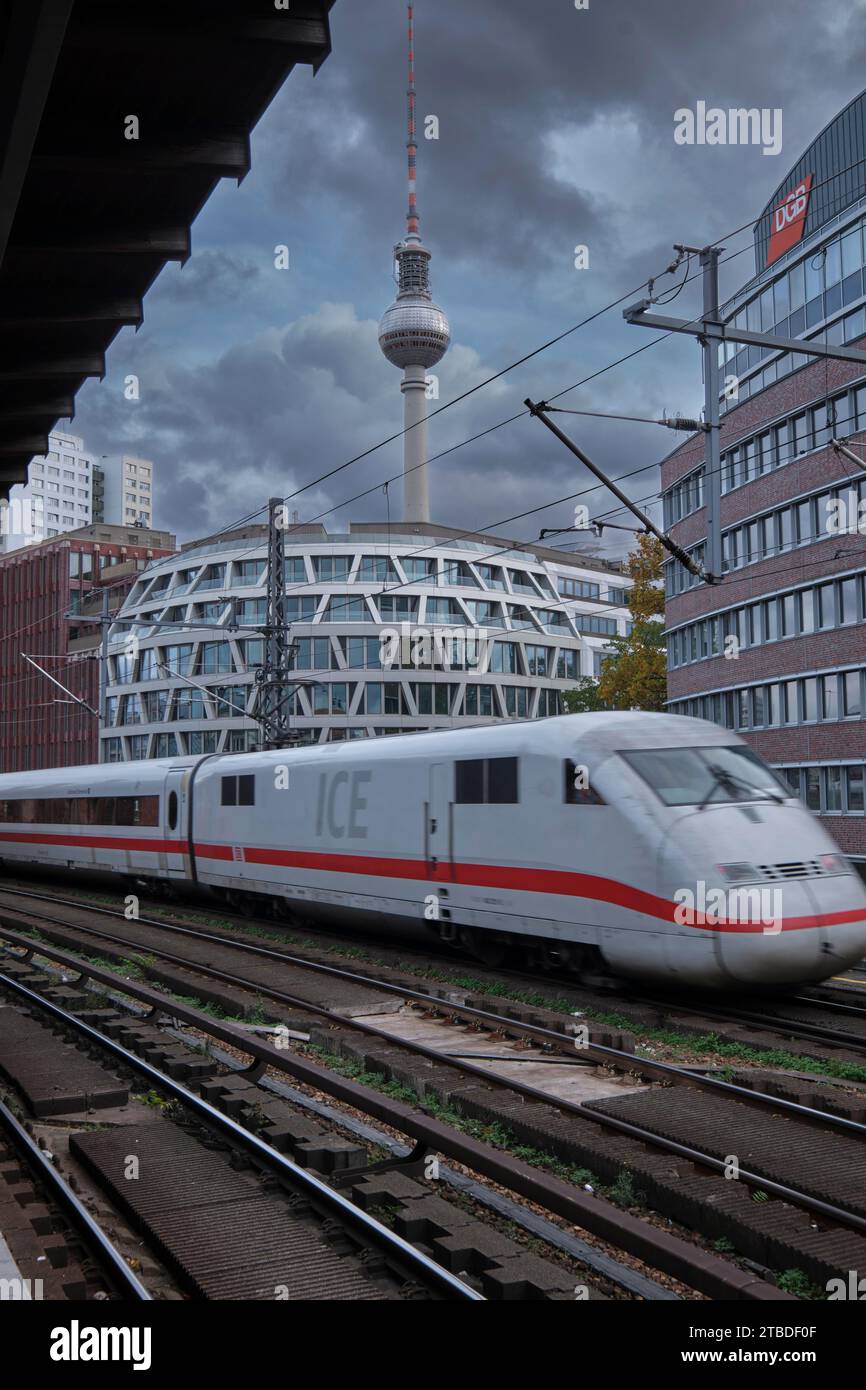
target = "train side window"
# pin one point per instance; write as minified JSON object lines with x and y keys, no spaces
{"x":469,"y":787}
{"x":83,"y":810}
{"x":239,"y":791}
{"x":502,"y":781}
{"x":172,"y":810}
{"x":229,"y":795}
{"x":486,"y":781}
{"x":578,"y":790}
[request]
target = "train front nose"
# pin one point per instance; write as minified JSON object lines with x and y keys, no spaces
{"x":774,"y":935}
{"x":818,"y":929}
{"x":772,"y":920}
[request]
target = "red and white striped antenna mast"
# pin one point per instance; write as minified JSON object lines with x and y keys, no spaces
{"x":412,"y":222}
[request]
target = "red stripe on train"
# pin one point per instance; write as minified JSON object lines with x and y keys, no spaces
{"x":558,"y":881}
{"x":97,"y":842}
{"x":563,"y":883}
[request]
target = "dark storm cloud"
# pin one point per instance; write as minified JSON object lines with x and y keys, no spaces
{"x":556,"y":129}
{"x":207,"y":275}
{"x":501,"y":75}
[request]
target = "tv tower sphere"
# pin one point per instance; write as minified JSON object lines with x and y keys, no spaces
{"x":414,"y":331}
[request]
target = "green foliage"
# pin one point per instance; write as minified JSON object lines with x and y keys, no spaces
{"x":795,"y":1282}
{"x":624,"y":1192}
{"x":635,"y":677}
{"x":584,"y":698}
{"x":155,"y":1100}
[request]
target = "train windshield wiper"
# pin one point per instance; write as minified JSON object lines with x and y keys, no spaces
{"x":736,"y":787}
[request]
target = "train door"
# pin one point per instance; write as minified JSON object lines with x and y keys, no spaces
{"x":439,"y":849}
{"x":175,"y":822}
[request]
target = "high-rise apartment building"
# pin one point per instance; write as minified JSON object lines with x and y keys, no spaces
{"x":57,"y":497}
{"x":123,"y":491}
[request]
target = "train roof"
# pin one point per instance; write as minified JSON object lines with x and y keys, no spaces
{"x":598,"y":733}
{"x":83,"y":780}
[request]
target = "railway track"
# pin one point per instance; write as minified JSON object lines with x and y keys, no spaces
{"x":52,"y":1245}
{"x":657,"y":1247}
{"x":227,"y":1234}
{"x":609,"y":1117}
{"x":562,"y":1041}
{"x":793,"y":1027}
{"x":491,"y":1258}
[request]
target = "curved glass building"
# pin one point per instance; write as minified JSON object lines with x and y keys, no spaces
{"x":391,"y":633}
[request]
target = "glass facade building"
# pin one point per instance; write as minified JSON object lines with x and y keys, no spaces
{"x":777,"y":650}
{"x":390,"y":634}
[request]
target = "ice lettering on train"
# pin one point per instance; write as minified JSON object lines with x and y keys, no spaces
{"x":341,"y":803}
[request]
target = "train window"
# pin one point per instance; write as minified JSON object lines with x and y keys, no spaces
{"x":470,"y":782}
{"x":82,"y":810}
{"x":691,"y":776}
{"x":578,"y":790}
{"x":502,"y":780}
{"x":239,"y":791}
{"x":172,"y":810}
{"x":486,"y":781}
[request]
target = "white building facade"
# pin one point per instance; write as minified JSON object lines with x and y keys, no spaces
{"x":57,"y":497}
{"x":123,"y":491}
{"x":417,"y":630}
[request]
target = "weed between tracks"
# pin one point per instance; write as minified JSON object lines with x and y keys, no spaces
{"x":494,"y":1133}
{"x":156,"y":1101}
{"x":622,"y":1191}
{"x":795,"y":1282}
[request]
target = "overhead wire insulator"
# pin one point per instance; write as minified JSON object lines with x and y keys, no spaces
{"x":681,"y":422}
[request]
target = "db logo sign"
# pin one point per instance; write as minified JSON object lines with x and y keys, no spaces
{"x":789,"y":219}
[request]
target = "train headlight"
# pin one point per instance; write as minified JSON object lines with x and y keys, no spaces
{"x":833,"y":864}
{"x":738,"y":873}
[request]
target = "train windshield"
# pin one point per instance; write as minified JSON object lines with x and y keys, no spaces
{"x":698,"y":776}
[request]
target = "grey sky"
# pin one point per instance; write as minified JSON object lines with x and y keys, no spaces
{"x":556,"y":130}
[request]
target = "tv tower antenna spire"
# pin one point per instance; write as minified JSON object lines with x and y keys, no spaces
{"x":412,"y":222}
{"x":414,"y":332}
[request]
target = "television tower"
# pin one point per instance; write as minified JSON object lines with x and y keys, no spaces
{"x":414,"y":333}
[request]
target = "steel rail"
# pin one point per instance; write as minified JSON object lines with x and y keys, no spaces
{"x":365,"y":1227}
{"x":107,"y":1256}
{"x":583,"y":1113}
{"x":500,"y":1022}
{"x":774,"y":1023}
{"x":698,"y":1268}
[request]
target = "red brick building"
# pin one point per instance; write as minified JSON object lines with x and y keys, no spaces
{"x":39,"y":586}
{"x":777,"y":650}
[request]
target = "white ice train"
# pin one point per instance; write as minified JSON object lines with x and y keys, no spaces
{"x":643,"y":845}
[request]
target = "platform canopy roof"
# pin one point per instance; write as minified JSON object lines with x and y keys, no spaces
{"x":88,"y":217}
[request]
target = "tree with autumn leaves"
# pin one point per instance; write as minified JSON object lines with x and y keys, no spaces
{"x":635,"y":676}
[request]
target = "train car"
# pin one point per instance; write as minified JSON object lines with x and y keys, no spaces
{"x":109,"y":817}
{"x":644,"y":845}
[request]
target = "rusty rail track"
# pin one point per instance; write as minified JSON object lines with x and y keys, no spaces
{"x":695,"y":1267}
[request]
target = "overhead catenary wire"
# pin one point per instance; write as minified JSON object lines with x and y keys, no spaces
{"x":493,"y":555}
{"x":502,"y":372}
{"x":434,"y":544}
{"x":261,"y":510}
{"x":736,"y":231}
